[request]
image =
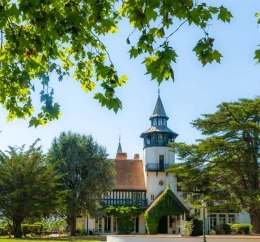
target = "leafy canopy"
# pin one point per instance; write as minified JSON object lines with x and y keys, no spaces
{"x":42,"y":40}
{"x":224,"y":166}
{"x":29,"y":186}
{"x":88,"y":174}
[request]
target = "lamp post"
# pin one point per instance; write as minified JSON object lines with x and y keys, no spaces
{"x":204,"y":205}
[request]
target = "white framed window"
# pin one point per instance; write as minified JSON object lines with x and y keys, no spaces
{"x":152,"y":197}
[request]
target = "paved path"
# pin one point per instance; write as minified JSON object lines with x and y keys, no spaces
{"x":177,"y":238}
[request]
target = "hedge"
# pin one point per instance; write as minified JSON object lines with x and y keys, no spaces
{"x":237,"y":228}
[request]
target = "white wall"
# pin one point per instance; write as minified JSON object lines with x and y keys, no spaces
{"x":243,"y":218}
{"x":151,"y":155}
{"x":153,"y":187}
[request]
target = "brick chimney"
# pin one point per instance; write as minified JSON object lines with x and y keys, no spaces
{"x":121,"y":156}
{"x":136,"y":156}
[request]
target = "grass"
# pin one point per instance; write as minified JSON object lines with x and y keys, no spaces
{"x":58,"y":239}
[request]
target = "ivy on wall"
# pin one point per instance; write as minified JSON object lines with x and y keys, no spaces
{"x":165,"y":206}
{"x":125,"y":215}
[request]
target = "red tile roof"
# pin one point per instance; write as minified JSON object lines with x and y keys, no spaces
{"x":129,"y":174}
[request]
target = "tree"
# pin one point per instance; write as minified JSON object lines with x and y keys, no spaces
{"x":40,"y":38}
{"x":29,"y":186}
{"x":88,"y":174}
{"x":224,"y":166}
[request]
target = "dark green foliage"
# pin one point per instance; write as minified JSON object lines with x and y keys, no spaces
{"x":125,"y":215}
{"x":225,"y":164}
{"x":197,"y":227}
{"x":88,"y":174}
{"x":25,"y":229}
{"x":237,"y":228}
{"x":83,"y":232}
{"x":29,"y":186}
{"x":165,"y":206}
{"x":125,"y":225}
{"x":227,"y":228}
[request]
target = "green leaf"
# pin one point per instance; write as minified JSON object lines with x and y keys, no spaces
{"x":224,"y":14}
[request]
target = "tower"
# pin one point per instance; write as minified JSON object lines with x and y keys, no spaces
{"x":157,"y":156}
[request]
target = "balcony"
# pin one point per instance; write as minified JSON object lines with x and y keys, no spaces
{"x":125,"y":202}
{"x":157,"y":167}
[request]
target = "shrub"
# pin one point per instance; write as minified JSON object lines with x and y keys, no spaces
{"x":125,"y":225}
{"x":238,"y":228}
{"x":241,"y":228}
{"x":227,"y":228}
{"x":25,"y":229}
{"x":188,"y":227}
{"x":2,"y":231}
{"x":83,"y":232}
{"x":197,"y":227}
{"x":8,"y":228}
{"x":34,"y":228}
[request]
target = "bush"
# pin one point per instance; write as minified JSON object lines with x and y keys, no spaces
{"x":34,"y":228}
{"x":125,"y":225}
{"x":197,"y":227}
{"x":238,"y":228}
{"x":227,"y":228}
{"x":2,"y":231}
{"x":8,"y":228}
{"x":188,"y":227}
{"x":25,"y":229}
{"x":83,"y":232}
{"x":241,"y":228}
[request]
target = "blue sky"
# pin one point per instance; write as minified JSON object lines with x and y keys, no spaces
{"x":196,"y":90}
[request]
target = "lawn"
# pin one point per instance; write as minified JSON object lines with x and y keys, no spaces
{"x":58,"y":239}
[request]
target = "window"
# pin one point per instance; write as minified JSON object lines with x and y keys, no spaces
{"x":154,"y":121}
{"x":184,"y":196}
{"x":148,"y":139}
{"x":160,"y":120}
{"x":160,"y":138}
{"x":152,"y":197}
{"x":164,"y":122}
{"x":231,"y":218}
{"x":222,"y":218}
{"x":213,"y":221}
{"x":161,"y":162}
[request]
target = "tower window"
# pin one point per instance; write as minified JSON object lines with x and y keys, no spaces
{"x":161,"y":162}
{"x":160,"y":121}
{"x":154,"y":121}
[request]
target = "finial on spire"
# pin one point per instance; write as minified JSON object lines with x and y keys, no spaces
{"x":158,"y":91}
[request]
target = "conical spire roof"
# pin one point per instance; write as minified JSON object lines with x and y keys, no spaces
{"x":119,"y":148}
{"x":159,"y":109}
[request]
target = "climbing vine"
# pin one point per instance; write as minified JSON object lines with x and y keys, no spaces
{"x":165,"y":206}
{"x":125,"y":215}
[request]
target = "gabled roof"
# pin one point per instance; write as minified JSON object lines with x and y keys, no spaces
{"x":129,"y":174}
{"x":159,"y":109}
{"x":174,"y":197}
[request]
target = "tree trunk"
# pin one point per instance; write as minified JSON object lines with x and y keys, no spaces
{"x":17,"y":222}
{"x":255,"y":220}
{"x":73,"y":221}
